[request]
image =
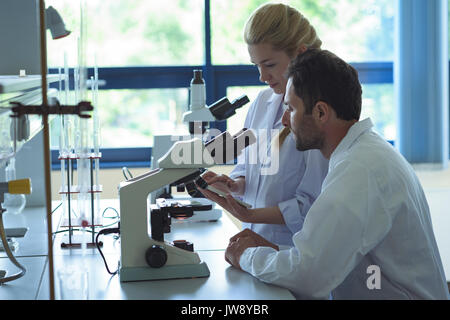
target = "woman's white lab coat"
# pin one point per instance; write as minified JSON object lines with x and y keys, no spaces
{"x":291,"y":181}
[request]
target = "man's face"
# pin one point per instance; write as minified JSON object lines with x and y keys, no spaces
{"x":306,"y":133}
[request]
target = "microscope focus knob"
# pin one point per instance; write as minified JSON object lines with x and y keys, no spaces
{"x":156,"y":256}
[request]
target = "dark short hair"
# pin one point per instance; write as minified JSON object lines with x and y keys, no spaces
{"x":320,"y":75}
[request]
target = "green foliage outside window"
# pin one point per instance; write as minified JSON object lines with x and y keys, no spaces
{"x":171,"y":32}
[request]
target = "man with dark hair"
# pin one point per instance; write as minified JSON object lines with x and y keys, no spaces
{"x":369,"y":233}
{"x":341,"y":89}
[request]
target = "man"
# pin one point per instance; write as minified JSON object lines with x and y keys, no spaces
{"x":369,"y":233}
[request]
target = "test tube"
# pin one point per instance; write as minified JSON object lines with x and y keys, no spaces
{"x":67,"y":123}
{"x":94,"y":82}
{"x":59,"y":84}
{"x":76,"y":120}
{"x":62,"y":138}
{"x":62,"y":146}
{"x":83,"y":176}
{"x":84,"y":157}
{"x":82,"y":132}
{"x":96,"y":133}
{"x":97,"y":136}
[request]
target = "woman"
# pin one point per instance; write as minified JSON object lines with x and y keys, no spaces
{"x":274,"y":33}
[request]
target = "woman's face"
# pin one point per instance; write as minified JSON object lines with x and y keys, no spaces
{"x":272,"y":65}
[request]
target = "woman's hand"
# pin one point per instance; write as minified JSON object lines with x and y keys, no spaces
{"x":230,"y":204}
{"x":225,"y":183}
{"x":270,"y":215}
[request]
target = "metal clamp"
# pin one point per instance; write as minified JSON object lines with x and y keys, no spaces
{"x":80,"y":109}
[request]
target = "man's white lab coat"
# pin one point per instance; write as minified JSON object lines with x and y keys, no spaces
{"x":371,"y":216}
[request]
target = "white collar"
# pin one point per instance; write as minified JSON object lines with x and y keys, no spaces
{"x":353,"y":133}
{"x":274,"y":97}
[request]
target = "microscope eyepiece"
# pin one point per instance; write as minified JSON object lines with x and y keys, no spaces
{"x":223,"y":109}
{"x":239,"y":102}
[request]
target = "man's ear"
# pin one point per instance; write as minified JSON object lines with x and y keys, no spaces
{"x":321,"y":111}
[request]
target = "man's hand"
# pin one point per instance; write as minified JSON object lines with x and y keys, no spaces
{"x":241,"y":241}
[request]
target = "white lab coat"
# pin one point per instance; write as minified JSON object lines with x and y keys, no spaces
{"x":372,"y":212}
{"x":292,"y":183}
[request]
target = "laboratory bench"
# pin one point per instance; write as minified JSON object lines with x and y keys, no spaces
{"x":210,"y":241}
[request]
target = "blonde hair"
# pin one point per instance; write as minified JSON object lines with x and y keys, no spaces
{"x":282,"y":26}
{"x":286,"y":29}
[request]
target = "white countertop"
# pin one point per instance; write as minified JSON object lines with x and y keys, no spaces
{"x":210,"y":241}
{"x":224,"y":282}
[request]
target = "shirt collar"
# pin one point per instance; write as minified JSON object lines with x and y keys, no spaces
{"x":275,"y":97}
{"x":353,"y":133}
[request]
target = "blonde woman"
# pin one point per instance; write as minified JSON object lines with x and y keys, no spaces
{"x":275,"y":34}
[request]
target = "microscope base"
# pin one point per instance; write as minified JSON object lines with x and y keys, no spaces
{"x":179,"y":271}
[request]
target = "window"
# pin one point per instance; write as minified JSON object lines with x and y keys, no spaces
{"x":368,"y":37}
{"x":137,"y":33}
{"x":378,"y":104}
{"x":146,"y":51}
{"x":357,"y":31}
{"x":236,"y":123}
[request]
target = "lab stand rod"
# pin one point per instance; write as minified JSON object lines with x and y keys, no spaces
{"x":207,"y":18}
{"x":48,"y":193}
{"x":208,"y":70}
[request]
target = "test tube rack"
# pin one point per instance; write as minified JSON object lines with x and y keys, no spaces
{"x":71,"y":189}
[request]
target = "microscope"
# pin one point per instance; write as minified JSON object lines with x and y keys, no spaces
{"x":197,"y":117}
{"x":145,"y":255}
